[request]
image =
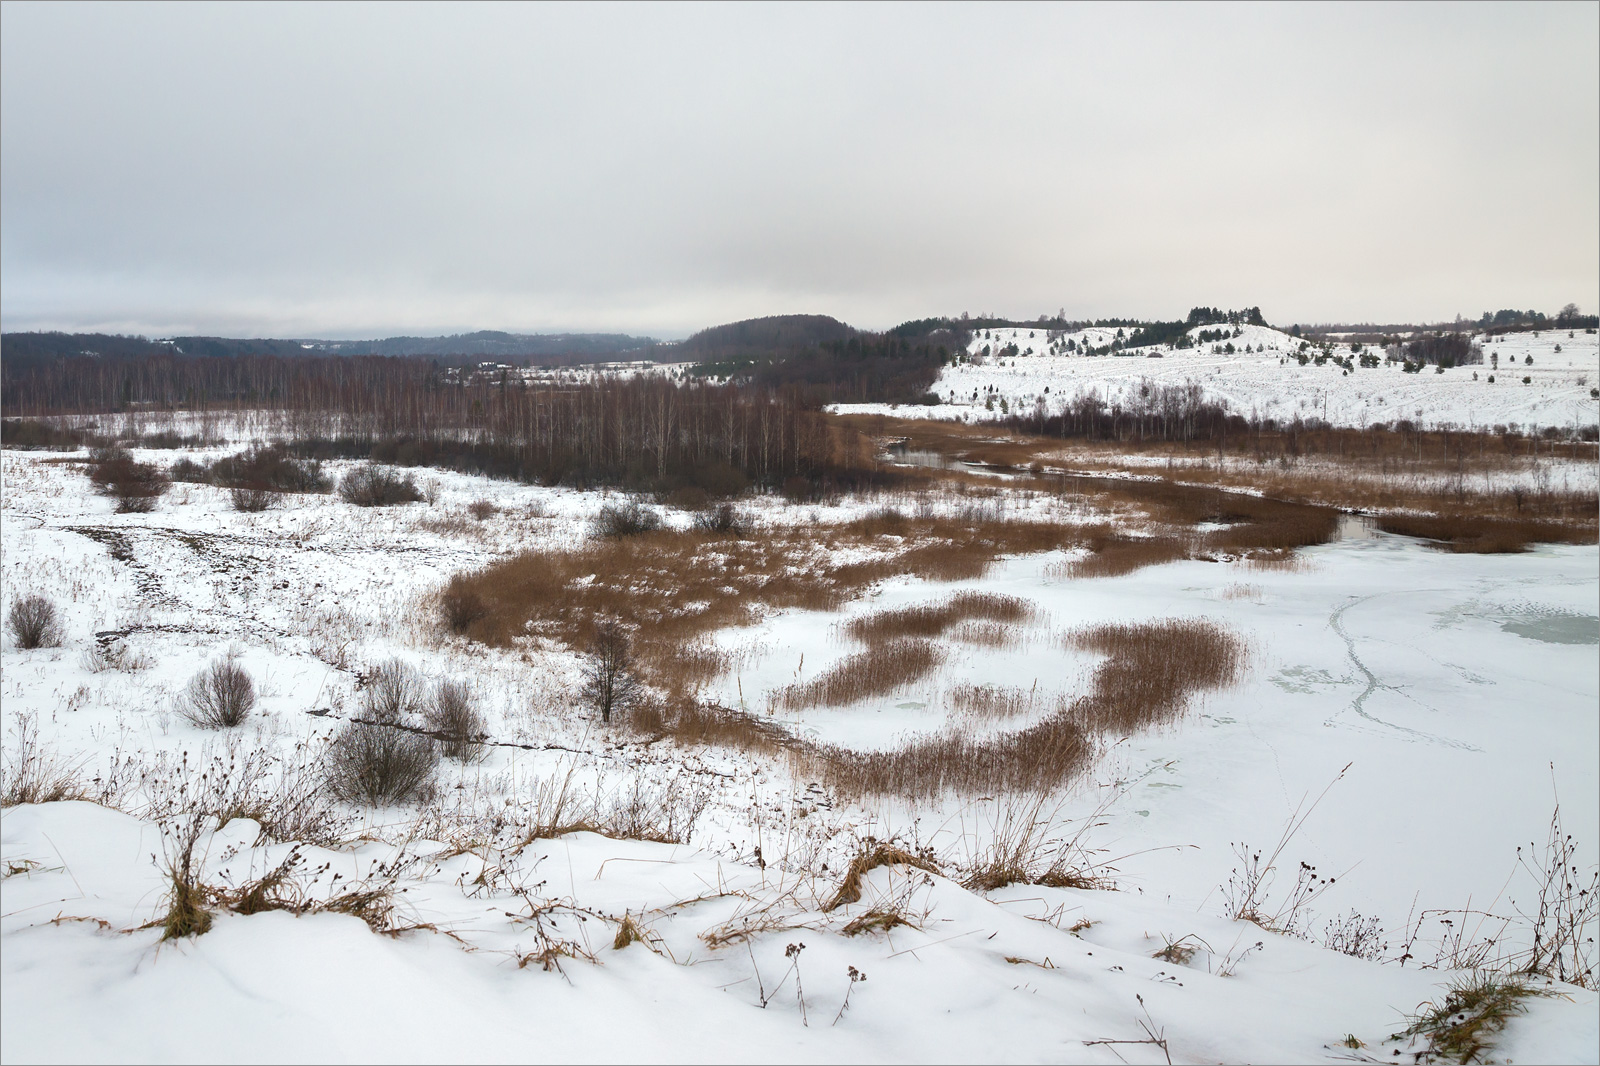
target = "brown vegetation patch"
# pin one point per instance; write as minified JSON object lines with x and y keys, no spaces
{"x":674,"y":587}
{"x":933,"y":619}
{"x":1480,"y":535}
{"x":875,"y":672}
{"x":1150,"y":672}
{"x":1379,"y":468}
{"x":1151,"y":668}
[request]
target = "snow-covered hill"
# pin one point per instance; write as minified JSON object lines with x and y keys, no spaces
{"x":1262,"y":377}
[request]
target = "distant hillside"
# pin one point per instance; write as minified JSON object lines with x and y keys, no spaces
{"x":774,"y":333}
{"x":21,"y":350}
{"x":495,"y":344}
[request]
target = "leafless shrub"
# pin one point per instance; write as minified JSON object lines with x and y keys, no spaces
{"x":33,"y":772}
{"x":866,"y":674}
{"x":375,"y":486}
{"x":218,"y":697}
{"x":34,"y":623}
{"x":609,"y":683}
{"x":624,"y":520}
{"x":392,"y":692}
{"x":724,"y":519}
{"x":460,"y":605}
{"x":455,"y":720}
{"x":380,"y":765}
{"x":134,"y":485}
{"x":482,"y":509}
{"x":252,"y":500}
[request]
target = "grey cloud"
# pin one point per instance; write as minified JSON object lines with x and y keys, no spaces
{"x":329,"y":169}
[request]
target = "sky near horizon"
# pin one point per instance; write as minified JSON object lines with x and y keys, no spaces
{"x":326,"y":170}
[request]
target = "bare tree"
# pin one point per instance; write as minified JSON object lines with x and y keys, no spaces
{"x":609,"y":684}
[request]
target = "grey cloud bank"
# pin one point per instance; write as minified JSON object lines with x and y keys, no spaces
{"x":363,"y":170}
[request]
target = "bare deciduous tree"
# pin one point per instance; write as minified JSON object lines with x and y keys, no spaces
{"x":609,"y":684}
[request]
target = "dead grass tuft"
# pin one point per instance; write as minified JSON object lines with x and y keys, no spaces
{"x":876,"y":921}
{"x":34,"y":773}
{"x":874,"y":855}
{"x":992,"y":701}
{"x":1476,"y":1008}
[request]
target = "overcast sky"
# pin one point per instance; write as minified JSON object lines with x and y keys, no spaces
{"x":354,"y":171}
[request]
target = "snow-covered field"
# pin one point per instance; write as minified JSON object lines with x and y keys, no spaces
{"x":1461,"y":690}
{"x":1267,"y":380}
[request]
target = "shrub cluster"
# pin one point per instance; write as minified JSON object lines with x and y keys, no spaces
{"x":376,"y":486}
{"x":134,"y":485}
{"x":624,"y":520}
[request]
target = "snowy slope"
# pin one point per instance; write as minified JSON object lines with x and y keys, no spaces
{"x":1451,"y":682}
{"x":1268,"y":382}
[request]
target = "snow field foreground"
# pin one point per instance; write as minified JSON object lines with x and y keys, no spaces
{"x":1451,"y":682}
{"x":1269,"y":382}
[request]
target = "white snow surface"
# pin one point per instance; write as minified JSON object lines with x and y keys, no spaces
{"x":1269,"y":382}
{"x":1459,"y":689}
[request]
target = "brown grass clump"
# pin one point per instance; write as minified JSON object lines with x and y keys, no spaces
{"x":870,"y":858}
{"x":876,"y":672}
{"x":932,"y":620}
{"x":1479,"y":535}
{"x":1151,"y":668}
{"x":1114,"y":556}
{"x":876,"y":921}
{"x":1149,"y":674}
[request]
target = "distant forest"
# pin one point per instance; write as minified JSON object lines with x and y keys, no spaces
{"x":28,"y":349}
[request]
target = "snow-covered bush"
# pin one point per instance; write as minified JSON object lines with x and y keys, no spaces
{"x":33,"y":623}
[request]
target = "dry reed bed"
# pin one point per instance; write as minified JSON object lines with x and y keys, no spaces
{"x":876,"y":672}
{"x":1150,"y":673}
{"x":934,"y":619}
{"x":1450,"y":474}
{"x":676,"y":587}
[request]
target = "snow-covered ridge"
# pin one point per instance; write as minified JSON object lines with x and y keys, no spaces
{"x":1262,"y":377}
